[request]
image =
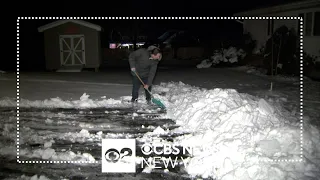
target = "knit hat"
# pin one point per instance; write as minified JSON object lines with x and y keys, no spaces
{"x":152,"y":47}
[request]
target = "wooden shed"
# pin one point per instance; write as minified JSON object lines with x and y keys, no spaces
{"x":71,"y":45}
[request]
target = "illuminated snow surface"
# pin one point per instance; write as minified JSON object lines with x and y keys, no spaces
{"x":234,"y":135}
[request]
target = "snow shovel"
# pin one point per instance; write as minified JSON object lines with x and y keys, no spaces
{"x":154,"y":100}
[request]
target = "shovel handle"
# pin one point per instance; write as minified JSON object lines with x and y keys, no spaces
{"x":139,"y":78}
{"x":142,"y":82}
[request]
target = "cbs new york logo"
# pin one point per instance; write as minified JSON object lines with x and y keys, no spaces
{"x":119,"y":155}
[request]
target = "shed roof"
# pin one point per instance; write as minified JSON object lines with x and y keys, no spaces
{"x":60,"y":22}
{"x":302,"y":4}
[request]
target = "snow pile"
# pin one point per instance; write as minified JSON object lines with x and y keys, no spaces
{"x":235,"y":136}
{"x":156,"y":132}
{"x":205,"y":64}
{"x":230,"y":55}
{"x":48,"y":144}
{"x":24,"y":177}
{"x":2,"y":72}
{"x":51,"y":154}
{"x":81,"y":137}
{"x":47,"y":154}
{"x":84,"y":102}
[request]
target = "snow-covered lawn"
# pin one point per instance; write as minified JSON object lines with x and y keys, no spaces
{"x":239,"y":129}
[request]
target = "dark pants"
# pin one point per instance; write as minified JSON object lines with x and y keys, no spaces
{"x":136,"y":84}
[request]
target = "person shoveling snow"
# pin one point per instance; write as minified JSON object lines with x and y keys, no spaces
{"x":143,"y":63}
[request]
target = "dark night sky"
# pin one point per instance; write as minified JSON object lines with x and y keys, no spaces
{"x":30,"y":38}
{"x":153,"y":8}
{"x":158,"y":8}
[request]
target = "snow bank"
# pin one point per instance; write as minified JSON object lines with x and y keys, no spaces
{"x":230,"y":55}
{"x":24,"y":177}
{"x":84,"y":102}
{"x":51,"y":154}
{"x":235,"y":136}
{"x":48,"y":154}
{"x":205,"y":64}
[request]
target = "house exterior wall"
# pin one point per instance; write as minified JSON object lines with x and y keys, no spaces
{"x":259,"y":28}
{"x":52,"y":45}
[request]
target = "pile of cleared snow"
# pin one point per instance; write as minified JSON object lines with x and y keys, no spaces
{"x":236,"y":135}
{"x":230,"y":55}
{"x":51,"y":154}
{"x":48,"y":154}
{"x":231,"y":132}
{"x":84,"y":102}
{"x":205,"y":64}
{"x":81,"y":137}
{"x":2,"y":72}
{"x":24,"y":177}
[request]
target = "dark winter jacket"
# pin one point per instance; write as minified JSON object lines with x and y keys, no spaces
{"x":145,"y":67}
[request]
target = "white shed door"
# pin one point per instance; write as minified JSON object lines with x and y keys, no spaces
{"x":72,"y":50}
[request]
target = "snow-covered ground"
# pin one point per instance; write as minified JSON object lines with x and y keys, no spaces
{"x":237,"y":126}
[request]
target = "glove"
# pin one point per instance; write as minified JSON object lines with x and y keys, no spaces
{"x":133,"y":70}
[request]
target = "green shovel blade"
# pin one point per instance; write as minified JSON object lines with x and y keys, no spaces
{"x":158,"y":103}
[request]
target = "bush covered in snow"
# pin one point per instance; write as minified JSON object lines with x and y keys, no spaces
{"x":226,"y":57}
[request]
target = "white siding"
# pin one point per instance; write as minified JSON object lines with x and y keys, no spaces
{"x":291,"y":24}
{"x":258,"y":30}
{"x":295,"y":12}
{"x":311,"y":44}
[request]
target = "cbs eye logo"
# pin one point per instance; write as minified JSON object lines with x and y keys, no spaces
{"x":113,"y":155}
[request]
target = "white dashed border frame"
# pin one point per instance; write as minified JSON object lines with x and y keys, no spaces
{"x":173,"y":18}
